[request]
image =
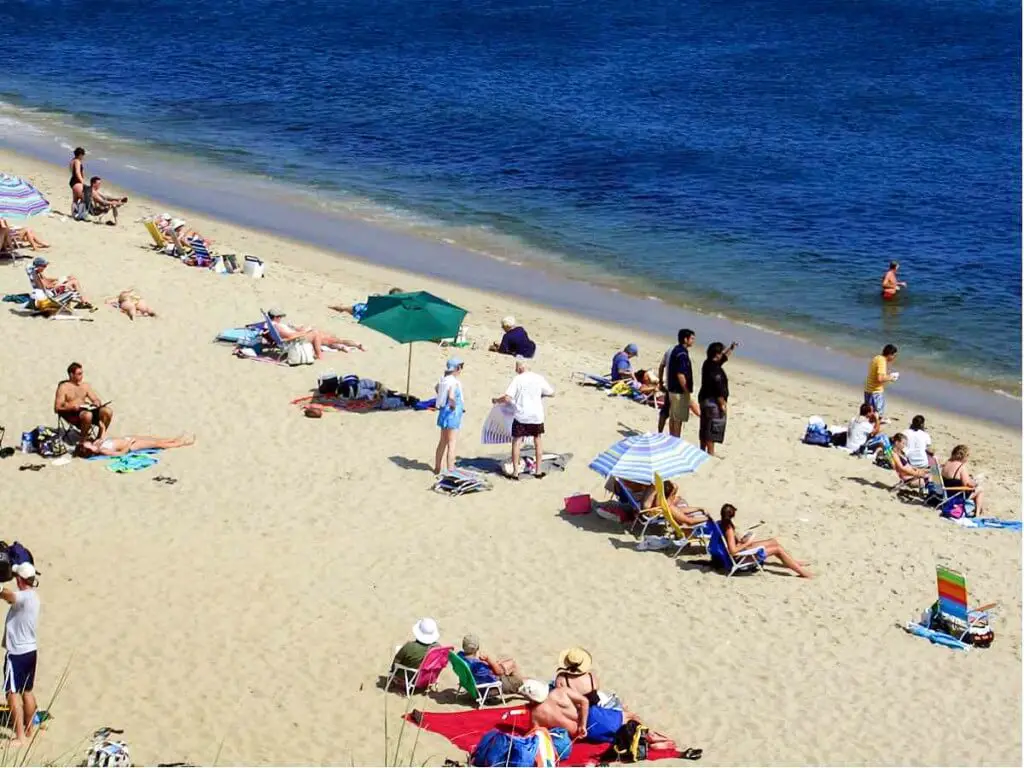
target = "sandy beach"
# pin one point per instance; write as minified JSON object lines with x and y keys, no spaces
{"x":248,"y":611}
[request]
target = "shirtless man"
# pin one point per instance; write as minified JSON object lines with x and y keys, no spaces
{"x":890,"y":285}
{"x":101,"y":203}
{"x":558,"y":708}
{"x":57,"y":285}
{"x":78,"y":404}
{"x":318,"y":339}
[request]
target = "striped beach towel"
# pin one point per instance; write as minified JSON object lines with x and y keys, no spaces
{"x":497,"y":428}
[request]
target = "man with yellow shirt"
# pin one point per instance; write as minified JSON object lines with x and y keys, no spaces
{"x":878,"y":375}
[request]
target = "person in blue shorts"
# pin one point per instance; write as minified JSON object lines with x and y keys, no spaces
{"x":450,"y":407}
{"x":20,"y":642}
{"x":358,"y":309}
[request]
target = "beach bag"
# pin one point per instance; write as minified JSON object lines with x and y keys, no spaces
{"x":537,"y":748}
{"x":816,"y":435}
{"x":17,"y":553}
{"x":630,"y":744}
{"x":300,"y":353}
{"x":47,"y":443}
{"x":327,"y":384}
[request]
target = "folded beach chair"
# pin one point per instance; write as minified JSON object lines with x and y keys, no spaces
{"x":952,"y":605}
{"x":478,"y":691}
{"x":591,"y":380}
{"x":64,"y":300}
{"x":458,"y":481}
{"x":682,"y":537}
{"x":748,"y":559}
{"x":643,"y":517}
{"x":420,"y":679}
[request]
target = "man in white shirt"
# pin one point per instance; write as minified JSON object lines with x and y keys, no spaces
{"x":525,"y":392}
{"x":20,"y":641}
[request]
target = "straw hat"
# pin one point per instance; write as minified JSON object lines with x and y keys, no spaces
{"x":425,"y":631}
{"x":534,"y":690}
{"x":575,"y":661}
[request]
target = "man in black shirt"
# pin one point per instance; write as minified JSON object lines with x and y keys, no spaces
{"x":714,"y":396}
{"x":680,"y":383}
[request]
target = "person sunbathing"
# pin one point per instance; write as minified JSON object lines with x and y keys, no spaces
{"x":771,"y":547}
{"x":955,"y":477}
{"x":100,"y":203}
{"x":57,"y":285}
{"x":906,"y":471}
{"x":21,"y":237}
{"x":119,"y":446}
{"x":318,"y":339}
{"x":358,"y":309}
{"x":132,"y":304}
{"x":685,"y":515}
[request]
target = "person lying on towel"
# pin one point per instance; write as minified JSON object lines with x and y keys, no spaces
{"x":119,"y":446}
{"x":570,"y":711}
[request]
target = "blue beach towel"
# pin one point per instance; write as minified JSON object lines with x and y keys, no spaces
{"x":132,"y":463}
{"x":144,"y":452}
{"x":937,"y":638}
{"x":987,"y":522}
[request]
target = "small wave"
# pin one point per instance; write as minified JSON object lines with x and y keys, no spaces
{"x":1004,"y":393}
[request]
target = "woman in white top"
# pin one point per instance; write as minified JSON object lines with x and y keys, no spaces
{"x":918,"y":443}
{"x":449,"y":414}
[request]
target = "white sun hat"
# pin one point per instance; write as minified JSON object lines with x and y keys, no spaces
{"x":425,"y":631}
{"x":535,"y":690}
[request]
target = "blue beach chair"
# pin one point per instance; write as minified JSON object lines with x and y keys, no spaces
{"x":748,"y":559}
{"x":644,"y":517}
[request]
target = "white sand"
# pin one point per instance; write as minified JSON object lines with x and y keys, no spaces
{"x":249,"y":610}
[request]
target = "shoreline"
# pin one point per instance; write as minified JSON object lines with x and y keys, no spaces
{"x":263,"y":207}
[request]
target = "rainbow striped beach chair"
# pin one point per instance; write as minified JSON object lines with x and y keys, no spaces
{"x":952,"y":605}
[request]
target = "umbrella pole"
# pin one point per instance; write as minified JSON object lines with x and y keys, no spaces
{"x":408,"y":371}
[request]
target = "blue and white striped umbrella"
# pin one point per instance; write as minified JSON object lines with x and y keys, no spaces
{"x":19,"y":199}
{"x":637,"y":458}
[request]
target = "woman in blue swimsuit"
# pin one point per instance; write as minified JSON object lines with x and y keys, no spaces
{"x":449,"y":414}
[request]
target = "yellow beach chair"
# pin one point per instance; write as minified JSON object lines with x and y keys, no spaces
{"x":682,"y":537}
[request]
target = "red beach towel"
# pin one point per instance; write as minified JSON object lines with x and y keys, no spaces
{"x":465,"y":729}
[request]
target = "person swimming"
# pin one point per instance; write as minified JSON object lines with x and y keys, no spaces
{"x":890,"y":285}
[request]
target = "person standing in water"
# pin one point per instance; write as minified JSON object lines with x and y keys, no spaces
{"x":890,"y":285}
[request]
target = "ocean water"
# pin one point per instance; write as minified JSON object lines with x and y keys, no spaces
{"x":762,"y":159}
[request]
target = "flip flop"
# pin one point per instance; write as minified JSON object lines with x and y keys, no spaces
{"x":690,"y":753}
{"x":540,"y":475}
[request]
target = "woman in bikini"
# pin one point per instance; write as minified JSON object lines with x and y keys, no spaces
{"x":685,"y":515}
{"x":18,"y":237}
{"x":119,"y":446}
{"x":906,"y":471}
{"x":956,"y":478}
{"x":77,"y":180}
{"x":771,"y":547}
{"x":132,"y":304}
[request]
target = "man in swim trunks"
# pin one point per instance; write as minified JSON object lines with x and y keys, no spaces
{"x":57,"y":285}
{"x":358,"y":309}
{"x":100,"y":203}
{"x":77,"y":403}
{"x":890,"y":285}
{"x":20,"y":643}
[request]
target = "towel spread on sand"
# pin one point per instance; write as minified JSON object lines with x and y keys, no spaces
{"x":986,"y":522}
{"x":143,"y":452}
{"x":465,"y":729}
{"x":131,"y":463}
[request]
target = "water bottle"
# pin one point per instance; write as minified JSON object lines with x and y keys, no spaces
{"x":26,"y":442}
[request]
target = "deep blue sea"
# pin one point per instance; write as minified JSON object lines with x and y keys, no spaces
{"x":763,"y":159}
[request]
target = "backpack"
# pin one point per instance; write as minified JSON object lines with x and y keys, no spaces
{"x":630,"y":744}
{"x":818,"y":436}
{"x":17,"y":553}
{"x":47,"y":443}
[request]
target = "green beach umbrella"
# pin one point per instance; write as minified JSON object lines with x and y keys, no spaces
{"x":409,"y":317}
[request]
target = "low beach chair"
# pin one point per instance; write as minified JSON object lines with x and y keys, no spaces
{"x":278,"y":347}
{"x":201,"y":253}
{"x":160,"y":241}
{"x":643,"y":517}
{"x":748,"y":559}
{"x":681,"y":537}
{"x":422,"y":678}
{"x":940,"y":495}
{"x":952,"y":605}
{"x":478,"y":691}
{"x":591,"y":380}
{"x":64,"y":301}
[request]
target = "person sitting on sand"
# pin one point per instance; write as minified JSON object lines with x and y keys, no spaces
{"x":425,"y":633}
{"x":863,"y":429}
{"x":770,"y":547}
{"x":684,"y":515}
{"x":562,"y":707}
{"x":57,"y":285}
{"x":515,"y":340}
{"x":358,"y":309}
{"x":622,"y":366}
{"x":956,"y":478}
{"x":890,"y":285}
{"x":21,"y":237}
{"x":318,"y":339}
{"x":119,"y":446}
{"x":906,"y":471}
{"x":132,"y":304}
{"x":98,"y":203}
{"x":488,"y":670}
{"x":575,"y":671}
{"x":78,"y":404}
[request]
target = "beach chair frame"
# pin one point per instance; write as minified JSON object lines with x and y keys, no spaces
{"x":644,"y":517}
{"x":460,"y":481}
{"x":937,"y":487}
{"x":682,"y":537}
{"x":744,"y":561}
{"x":478,"y":691}
{"x":952,"y":603}
{"x":410,"y":676}
{"x":63,"y":300}
{"x":280,"y":346}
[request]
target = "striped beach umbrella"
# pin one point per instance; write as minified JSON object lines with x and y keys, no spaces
{"x":19,"y":199}
{"x":639,"y":457}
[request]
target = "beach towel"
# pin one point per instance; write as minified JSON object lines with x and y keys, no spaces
{"x":985,"y":522}
{"x":497,"y":428}
{"x":131,"y":463}
{"x":937,"y":638}
{"x":18,"y":298}
{"x":144,"y":452}
{"x":337,"y":403}
{"x":465,"y":729}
